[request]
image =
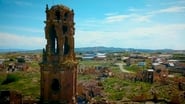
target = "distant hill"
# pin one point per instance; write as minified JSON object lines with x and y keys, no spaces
{"x":11,"y":50}
{"x":114,"y":49}
{"x":20,"y":50}
{"x":97,"y":49}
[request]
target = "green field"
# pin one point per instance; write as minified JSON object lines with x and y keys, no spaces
{"x":26,"y":83}
{"x":114,"y":88}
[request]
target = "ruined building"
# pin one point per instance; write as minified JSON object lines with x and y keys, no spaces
{"x":58,"y":66}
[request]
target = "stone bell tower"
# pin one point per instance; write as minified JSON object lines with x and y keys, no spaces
{"x":58,"y":66}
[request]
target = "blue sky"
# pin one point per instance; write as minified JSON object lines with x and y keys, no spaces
{"x":147,"y":24}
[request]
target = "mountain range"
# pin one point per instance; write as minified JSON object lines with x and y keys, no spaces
{"x":96,"y":49}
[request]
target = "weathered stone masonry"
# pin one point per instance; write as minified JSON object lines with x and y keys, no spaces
{"x":58,"y":66}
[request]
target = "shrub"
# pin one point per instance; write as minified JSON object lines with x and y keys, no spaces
{"x":10,"y":78}
{"x":21,"y":60}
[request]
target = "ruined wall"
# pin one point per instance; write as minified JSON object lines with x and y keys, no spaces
{"x":58,"y":67}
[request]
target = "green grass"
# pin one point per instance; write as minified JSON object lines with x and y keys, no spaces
{"x":94,"y":63}
{"x":34,"y":64}
{"x":133,"y":68}
{"x":82,"y":77}
{"x":115,"y":69}
{"x":28,"y":84}
{"x":2,"y":77}
{"x":112,"y":86}
{"x":116,"y":88}
{"x":10,"y":78}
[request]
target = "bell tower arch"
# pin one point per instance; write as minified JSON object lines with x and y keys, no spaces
{"x":59,"y":67}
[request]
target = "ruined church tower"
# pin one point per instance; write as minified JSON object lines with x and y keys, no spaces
{"x":58,"y":66}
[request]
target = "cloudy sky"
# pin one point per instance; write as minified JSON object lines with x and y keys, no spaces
{"x":146,"y":24}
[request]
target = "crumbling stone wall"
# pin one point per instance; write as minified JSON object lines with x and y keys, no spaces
{"x":58,"y":66}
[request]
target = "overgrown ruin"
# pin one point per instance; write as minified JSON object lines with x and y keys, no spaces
{"x":103,"y":78}
{"x":58,"y":67}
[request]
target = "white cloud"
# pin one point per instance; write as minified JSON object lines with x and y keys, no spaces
{"x":9,"y":40}
{"x":92,"y":38}
{"x":173,"y":9}
{"x":141,"y":18}
{"x":23,"y":3}
{"x":32,"y":31}
{"x":111,"y":14}
{"x":18,"y":2}
{"x":161,"y":29}
{"x":135,"y":9}
{"x":129,"y":17}
{"x":135,"y":30}
{"x":159,"y":36}
{"x":116,"y":18}
{"x":172,"y":3}
{"x":146,"y":16}
{"x":153,"y":37}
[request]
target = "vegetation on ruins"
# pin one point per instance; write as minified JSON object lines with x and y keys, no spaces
{"x":10,"y":78}
{"x":179,"y":56}
{"x":28,"y":83}
{"x":115,"y":89}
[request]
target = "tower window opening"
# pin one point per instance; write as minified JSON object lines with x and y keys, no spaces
{"x":57,"y":14}
{"x":65,"y":29}
{"x":66,"y":46}
{"x":65,"y":16}
{"x":53,"y":41}
{"x":56,"y":46}
{"x":55,"y":86}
